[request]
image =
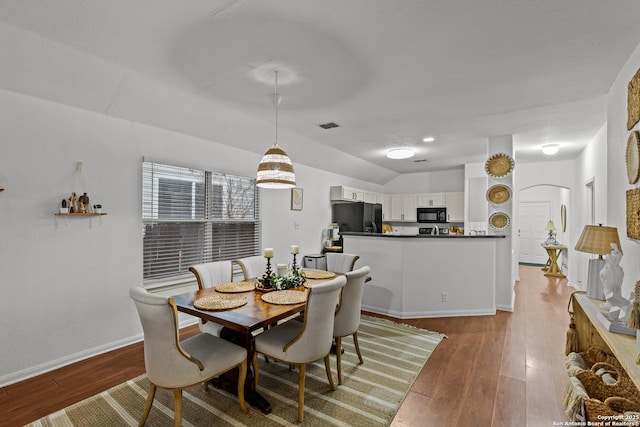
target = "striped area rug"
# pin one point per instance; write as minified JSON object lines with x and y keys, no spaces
{"x":371,"y":394}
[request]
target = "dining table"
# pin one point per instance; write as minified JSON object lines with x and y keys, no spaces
{"x":239,"y":325}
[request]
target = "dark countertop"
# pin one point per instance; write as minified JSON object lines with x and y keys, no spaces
{"x":423,"y":236}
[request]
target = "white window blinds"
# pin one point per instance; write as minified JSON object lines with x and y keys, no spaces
{"x":192,"y":216}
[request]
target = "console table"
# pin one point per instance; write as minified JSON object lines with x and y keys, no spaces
{"x":551,"y":268}
{"x":592,"y":333}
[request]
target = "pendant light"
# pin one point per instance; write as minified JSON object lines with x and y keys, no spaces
{"x":275,"y":169}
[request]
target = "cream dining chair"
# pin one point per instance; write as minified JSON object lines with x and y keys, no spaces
{"x":252,"y":266}
{"x":299,"y":343}
{"x":208,"y":275}
{"x":348,"y":313}
{"x":175,"y":365}
{"x":340,"y":262}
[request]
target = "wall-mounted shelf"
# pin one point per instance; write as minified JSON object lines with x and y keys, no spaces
{"x":80,"y":214}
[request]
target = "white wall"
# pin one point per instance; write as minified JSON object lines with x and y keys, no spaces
{"x":65,"y":282}
{"x":426,"y":182}
{"x":590,"y":165}
{"x":617,"y":183}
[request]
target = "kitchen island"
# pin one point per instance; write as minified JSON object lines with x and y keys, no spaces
{"x":434,"y":276}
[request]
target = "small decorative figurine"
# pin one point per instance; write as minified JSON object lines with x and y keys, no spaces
{"x":73,"y":203}
{"x":611,"y":276}
{"x":84,"y":203}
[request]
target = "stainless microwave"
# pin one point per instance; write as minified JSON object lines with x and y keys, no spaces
{"x":432,"y":214}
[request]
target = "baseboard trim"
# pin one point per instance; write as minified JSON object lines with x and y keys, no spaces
{"x":49,"y":366}
{"x":430,"y":314}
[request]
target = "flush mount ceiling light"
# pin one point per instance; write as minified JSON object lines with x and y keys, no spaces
{"x":275,"y":169}
{"x":428,"y":139}
{"x":550,"y":149}
{"x":400,"y":153}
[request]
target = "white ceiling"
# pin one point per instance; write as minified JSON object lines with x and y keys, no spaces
{"x":388,"y":72}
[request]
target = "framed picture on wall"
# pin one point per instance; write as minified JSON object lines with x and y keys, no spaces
{"x":296,"y":199}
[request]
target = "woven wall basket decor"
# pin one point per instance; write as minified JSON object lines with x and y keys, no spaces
{"x":633,"y":213}
{"x":498,"y":194}
{"x":633,"y":101}
{"x":632,"y":157}
{"x":499,"y":165}
{"x":499,"y":221}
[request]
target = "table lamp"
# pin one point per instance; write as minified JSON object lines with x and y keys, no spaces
{"x":596,"y":239}
{"x":551,"y":240}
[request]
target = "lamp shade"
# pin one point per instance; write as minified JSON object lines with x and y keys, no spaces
{"x":596,"y":239}
{"x":275,"y":169}
{"x":550,"y":226}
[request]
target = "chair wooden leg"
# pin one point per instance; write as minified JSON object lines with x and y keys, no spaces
{"x":254,"y":363}
{"x":339,"y":358}
{"x":355,"y":342}
{"x":301,"y":379}
{"x":177,"y":408}
{"x":242,"y":376}
{"x":327,"y":367}
{"x":147,"y":406}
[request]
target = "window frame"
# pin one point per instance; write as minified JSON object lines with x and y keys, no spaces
{"x":214,"y":210}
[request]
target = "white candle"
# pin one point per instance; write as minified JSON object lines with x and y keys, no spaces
{"x":295,"y":249}
{"x":268,"y":252}
{"x":282,"y":269}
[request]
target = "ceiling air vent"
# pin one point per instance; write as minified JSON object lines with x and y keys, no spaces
{"x":329,"y":125}
{"x":419,"y":160}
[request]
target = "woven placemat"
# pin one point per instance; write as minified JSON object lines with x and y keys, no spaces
{"x":285,"y":297}
{"x":232,"y":287}
{"x":319,"y":274}
{"x":312,"y":282}
{"x":219,"y":302}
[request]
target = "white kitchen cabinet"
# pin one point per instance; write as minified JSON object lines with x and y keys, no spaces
{"x":428,"y":200}
{"x":370,"y":197}
{"x":347,"y":194}
{"x":409,"y":208}
{"x":399,"y":207}
{"x":455,"y":206}
{"x":386,"y":207}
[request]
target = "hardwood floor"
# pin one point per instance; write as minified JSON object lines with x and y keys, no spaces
{"x":502,"y":370}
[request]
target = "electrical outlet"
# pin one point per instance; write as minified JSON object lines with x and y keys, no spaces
{"x":444,"y":297}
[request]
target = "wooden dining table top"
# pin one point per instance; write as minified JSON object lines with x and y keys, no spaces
{"x":254,"y":315}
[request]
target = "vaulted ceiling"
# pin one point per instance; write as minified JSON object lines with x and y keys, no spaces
{"x":387,"y":72}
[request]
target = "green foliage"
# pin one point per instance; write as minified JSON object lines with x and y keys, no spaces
{"x":293,"y":279}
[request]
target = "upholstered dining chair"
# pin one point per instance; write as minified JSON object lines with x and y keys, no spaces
{"x":347,"y":318}
{"x":340,"y":262}
{"x":299,"y":343}
{"x":208,"y":275}
{"x":175,"y":365}
{"x":252,"y":266}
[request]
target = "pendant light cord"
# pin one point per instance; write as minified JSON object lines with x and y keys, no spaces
{"x":277,"y":101}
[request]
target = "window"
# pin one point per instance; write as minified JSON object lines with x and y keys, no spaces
{"x":192,"y":216}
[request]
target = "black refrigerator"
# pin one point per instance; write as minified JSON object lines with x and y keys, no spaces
{"x":358,"y":217}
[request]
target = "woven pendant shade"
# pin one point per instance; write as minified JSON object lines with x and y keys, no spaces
{"x":596,"y":239}
{"x":275,"y":169}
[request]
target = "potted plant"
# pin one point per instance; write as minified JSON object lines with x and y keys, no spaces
{"x":64,"y":208}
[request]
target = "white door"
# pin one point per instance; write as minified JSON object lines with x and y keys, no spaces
{"x":533,"y":219}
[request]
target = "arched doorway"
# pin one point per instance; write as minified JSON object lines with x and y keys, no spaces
{"x":536,"y":206}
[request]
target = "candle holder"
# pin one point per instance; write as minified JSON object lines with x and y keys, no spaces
{"x":294,"y":262}
{"x":268,"y":270}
